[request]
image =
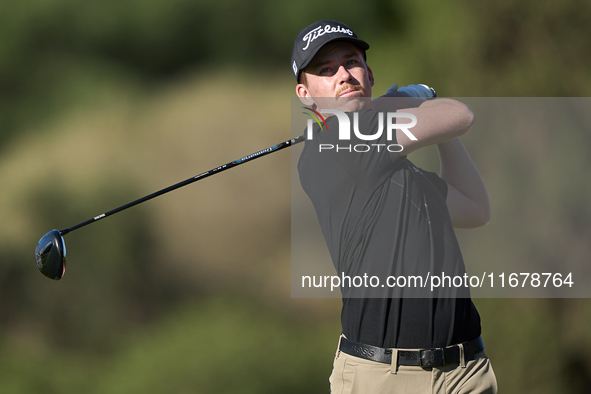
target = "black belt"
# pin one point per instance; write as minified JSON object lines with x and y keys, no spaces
{"x":425,"y":358}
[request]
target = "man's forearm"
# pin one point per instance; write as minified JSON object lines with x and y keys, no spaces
{"x":468,"y":200}
{"x":438,"y":121}
{"x":395,"y":101}
{"x":441,"y":122}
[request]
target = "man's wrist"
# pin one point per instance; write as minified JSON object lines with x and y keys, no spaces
{"x":419,"y":91}
{"x":449,"y":143}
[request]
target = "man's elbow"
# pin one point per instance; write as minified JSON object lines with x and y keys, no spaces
{"x":482,"y":216}
{"x":465,"y":118}
{"x":485,"y":217}
{"x":478,"y":215}
{"x":472,"y":219}
{"x":456,"y":120}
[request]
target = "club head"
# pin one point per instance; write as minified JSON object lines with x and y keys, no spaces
{"x":50,"y":255}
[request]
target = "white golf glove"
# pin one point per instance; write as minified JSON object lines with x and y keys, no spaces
{"x":419,"y":91}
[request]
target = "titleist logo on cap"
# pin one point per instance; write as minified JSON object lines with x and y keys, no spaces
{"x":319,"y":31}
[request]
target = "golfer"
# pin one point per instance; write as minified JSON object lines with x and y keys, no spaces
{"x":383,"y":216}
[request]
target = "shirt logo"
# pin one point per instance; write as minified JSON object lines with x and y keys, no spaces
{"x":319,"y":31}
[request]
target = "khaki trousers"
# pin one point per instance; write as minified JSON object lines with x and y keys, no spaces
{"x":354,"y":375}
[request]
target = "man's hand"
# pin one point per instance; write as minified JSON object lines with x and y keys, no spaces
{"x":418,"y":91}
{"x":410,"y":96}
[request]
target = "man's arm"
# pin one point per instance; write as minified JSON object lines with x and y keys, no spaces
{"x":441,"y":122}
{"x":438,"y":120}
{"x":467,"y":198}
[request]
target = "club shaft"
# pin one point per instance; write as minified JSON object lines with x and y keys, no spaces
{"x":186,"y":182}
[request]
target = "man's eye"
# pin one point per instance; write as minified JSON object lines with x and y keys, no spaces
{"x":325,"y":70}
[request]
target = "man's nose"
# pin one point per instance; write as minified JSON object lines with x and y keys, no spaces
{"x":344,"y":74}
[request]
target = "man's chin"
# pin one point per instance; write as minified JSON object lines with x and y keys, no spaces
{"x":353,"y":103}
{"x":346,"y":104}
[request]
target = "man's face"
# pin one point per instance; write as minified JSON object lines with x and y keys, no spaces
{"x":337,"y":78}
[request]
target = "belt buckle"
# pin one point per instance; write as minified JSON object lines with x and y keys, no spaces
{"x":432,"y":358}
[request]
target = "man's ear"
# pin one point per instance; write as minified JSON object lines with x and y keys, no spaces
{"x":370,"y":74}
{"x":303,"y":94}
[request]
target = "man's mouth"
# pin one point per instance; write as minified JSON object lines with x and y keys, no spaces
{"x":350,"y":91}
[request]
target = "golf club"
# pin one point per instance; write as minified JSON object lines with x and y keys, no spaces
{"x":50,"y":253}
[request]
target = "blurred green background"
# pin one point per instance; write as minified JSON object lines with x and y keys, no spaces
{"x":102,"y":102}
